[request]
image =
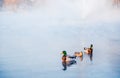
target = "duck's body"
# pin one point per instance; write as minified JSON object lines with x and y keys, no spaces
{"x":88,"y":50}
{"x":64,"y":58}
{"x":79,"y":54}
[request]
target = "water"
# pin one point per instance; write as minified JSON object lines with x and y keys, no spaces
{"x":31,"y":43}
{"x":29,"y":50}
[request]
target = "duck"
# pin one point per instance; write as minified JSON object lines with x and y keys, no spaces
{"x":67,"y":61}
{"x":89,"y":51}
{"x":64,"y":57}
{"x":79,"y":54}
{"x":67,"y":58}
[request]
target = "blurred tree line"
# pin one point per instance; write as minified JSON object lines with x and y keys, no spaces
{"x":26,"y":4}
{"x":21,"y":4}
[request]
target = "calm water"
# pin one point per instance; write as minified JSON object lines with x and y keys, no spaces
{"x":30,"y":48}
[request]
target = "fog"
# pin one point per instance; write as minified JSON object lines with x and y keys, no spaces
{"x":103,"y":10}
{"x":33,"y":36}
{"x":86,"y":9}
{"x":82,"y":10}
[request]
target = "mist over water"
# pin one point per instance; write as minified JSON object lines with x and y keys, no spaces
{"x":103,"y":10}
{"x":32,"y":38}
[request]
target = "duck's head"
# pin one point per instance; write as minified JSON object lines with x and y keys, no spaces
{"x":91,"y":46}
{"x":64,"y":53}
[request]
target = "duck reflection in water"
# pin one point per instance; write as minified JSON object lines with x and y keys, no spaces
{"x":66,"y":60}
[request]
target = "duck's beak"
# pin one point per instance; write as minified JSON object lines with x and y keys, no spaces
{"x":61,"y":53}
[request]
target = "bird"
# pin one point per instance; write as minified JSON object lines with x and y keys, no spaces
{"x":79,"y":54}
{"x":89,"y":51}
{"x":67,"y":60}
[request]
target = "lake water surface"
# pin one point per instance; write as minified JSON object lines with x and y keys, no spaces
{"x":30,"y":47}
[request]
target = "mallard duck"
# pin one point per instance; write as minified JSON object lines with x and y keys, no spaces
{"x":66,"y":57}
{"x":89,"y":51}
{"x":66,"y":60}
{"x":79,"y":54}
